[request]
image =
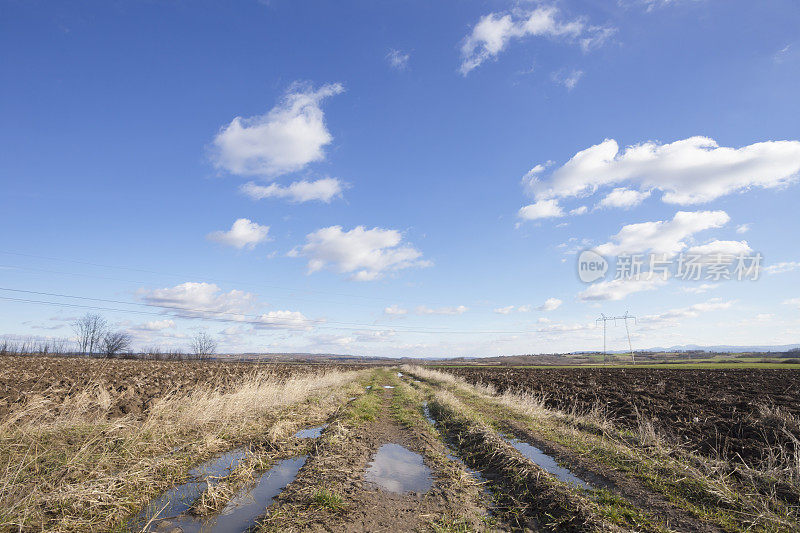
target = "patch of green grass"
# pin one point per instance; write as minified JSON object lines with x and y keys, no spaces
{"x":325,"y":499}
{"x":621,"y":512}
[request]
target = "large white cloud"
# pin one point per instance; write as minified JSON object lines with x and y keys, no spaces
{"x":244,"y":233}
{"x":365,"y":254}
{"x":197,"y":299}
{"x":286,"y":139}
{"x":688,"y":171}
{"x":323,"y":190}
{"x":492,"y":33}
{"x":663,"y":236}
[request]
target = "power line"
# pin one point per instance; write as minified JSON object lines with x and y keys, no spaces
{"x":276,"y":324}
{"x":218,"y":280}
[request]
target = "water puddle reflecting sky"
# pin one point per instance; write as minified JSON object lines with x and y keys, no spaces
{"x":397,"y":469}
{"x":310,"y":433}
{"x":547,"y":463}
{"x":242,"y":510}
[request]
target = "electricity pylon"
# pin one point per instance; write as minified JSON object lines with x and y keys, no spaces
{"x":605,"y":319}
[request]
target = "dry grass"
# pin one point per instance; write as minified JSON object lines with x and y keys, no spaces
{"x":729,"y":492}
{"x":69,"y":466}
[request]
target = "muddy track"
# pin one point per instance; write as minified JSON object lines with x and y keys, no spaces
{"x":599,"y":475}
{"x":337,"y":466}
{"x":659,"y":507}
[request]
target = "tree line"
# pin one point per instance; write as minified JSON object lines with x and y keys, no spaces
{"x":94,"y":337}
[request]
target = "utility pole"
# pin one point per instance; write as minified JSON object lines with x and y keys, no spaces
{"x":605,"y":319}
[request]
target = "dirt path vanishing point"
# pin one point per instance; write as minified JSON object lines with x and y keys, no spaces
{"x":337,"y":466}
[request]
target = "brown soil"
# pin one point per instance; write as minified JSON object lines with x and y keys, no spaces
{"x":133,"y":385}
{"x":338,"y":465}
{"x":714,"y":412}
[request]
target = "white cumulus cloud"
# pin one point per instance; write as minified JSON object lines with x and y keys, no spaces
{"x":198,"y":299}
{"x":395,"y":310}
{"x":541,"y":209}
{"x":323,"y":190}
{"x":286,"y":139}
{"x":688,"y":171}
{"x":663,"y":236}
{"x":692,"y":311}
{"x":622,"y":197}
{"x":551,"y":304}
{"x":243,"y":234}
{"x":618,"y":289}
{"x":494,"y":31}
{"x":365,"y":254}
{"x":779,"y":268}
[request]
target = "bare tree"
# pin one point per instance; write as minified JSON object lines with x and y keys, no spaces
{"x":115,"y":342}
{"x":203,"y":345}
{"x":90,"y":330}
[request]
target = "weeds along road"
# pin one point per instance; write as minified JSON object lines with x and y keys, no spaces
{"x":407,"y":449}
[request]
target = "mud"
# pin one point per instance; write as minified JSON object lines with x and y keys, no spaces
{"x":713,"y":412}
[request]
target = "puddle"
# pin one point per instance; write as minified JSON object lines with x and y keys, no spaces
{"x":368,"y":387}
{"x":427,"y":413}
{"x":547,"y":463}
{"x":179,"y":499}
{"x":416,"y":381}
{"x":244,"y":508}
{"x":397,"y":469}
{"x":310,"y":433}
{"x":388,"y":386}
{"x":221,"y":466}
{"x":399,"y":374}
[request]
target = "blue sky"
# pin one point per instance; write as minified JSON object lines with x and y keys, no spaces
{"x":397,"y":178}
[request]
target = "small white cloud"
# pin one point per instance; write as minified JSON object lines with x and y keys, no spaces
{"x":365,"y":254}
{"x":424,"y":310}
{"x":282,"y":320}
{"x":567,"y":79}
{"x":395,"y":310}
{"x":541,"y":209}
{"x":618,"y":289}
{"x":743,"y":228}
{"x":323,"y":190}
{"x":700,"y":289}
{"x":624,"y":198}
{"x":243,"y":234}
{"x":582,"y":210}
{"x":793,"y":301}
{"x":692,"y":311}
{"x":513,"y":309}
{"x":155,"y":325}
{"x":397,"y":60}
{"x":779,"y":268}
{"x":551,"y":304}
{"x":289,"y":137}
